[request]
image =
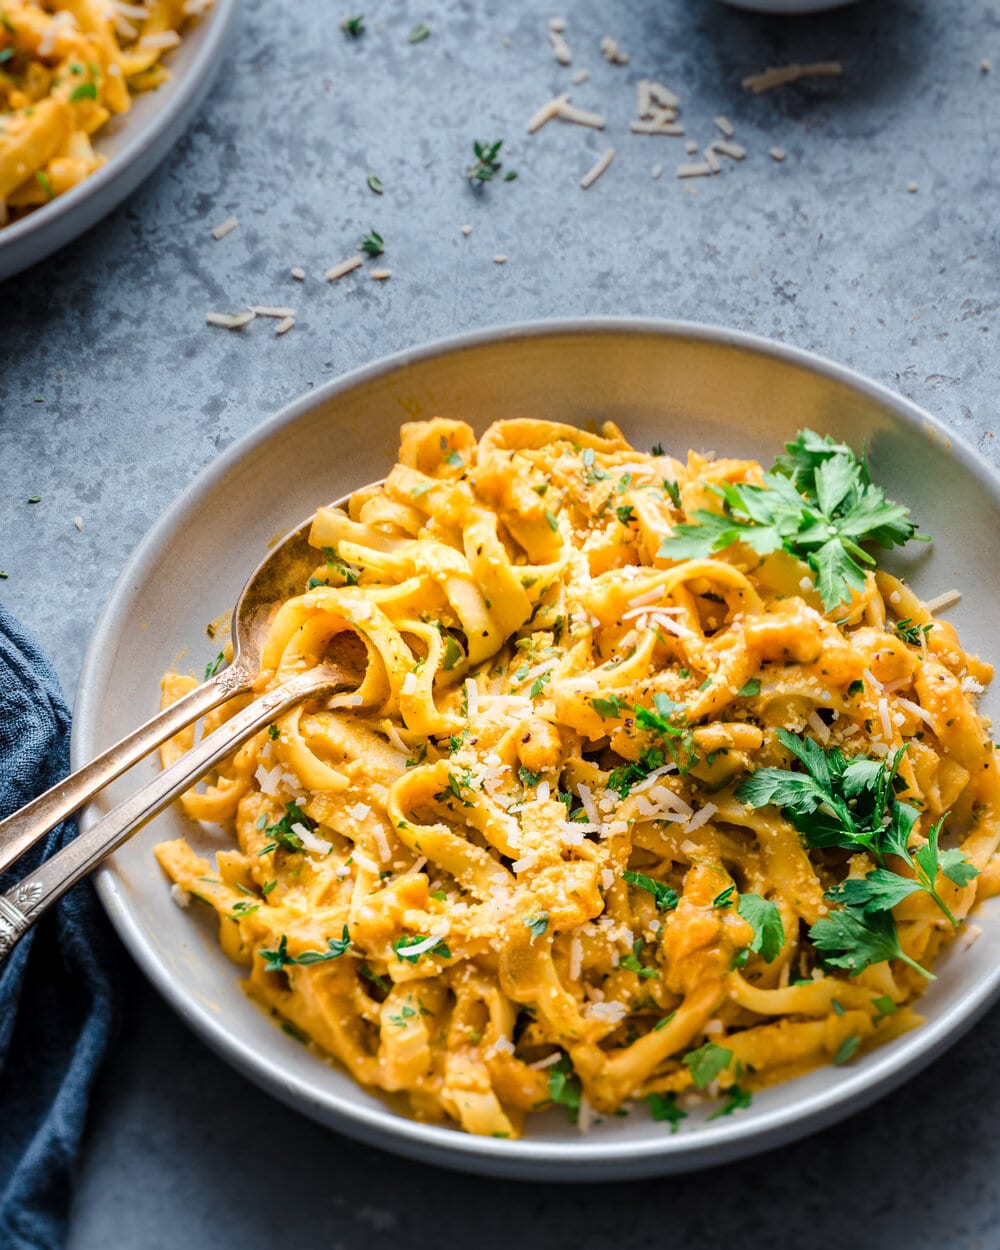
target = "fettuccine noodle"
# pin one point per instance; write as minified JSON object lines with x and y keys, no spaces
{"x":481,"y":881}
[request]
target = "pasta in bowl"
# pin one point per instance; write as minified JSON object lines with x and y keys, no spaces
{"x":657,"y":788}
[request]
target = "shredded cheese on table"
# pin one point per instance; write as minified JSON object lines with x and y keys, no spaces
{"x":515,"y":861}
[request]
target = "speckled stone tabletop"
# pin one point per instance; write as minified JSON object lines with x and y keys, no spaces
{"x":874,"y":242}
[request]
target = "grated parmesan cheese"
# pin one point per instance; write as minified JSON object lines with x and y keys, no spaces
{"x":580,"y":117}
{"x":701,"y":818}
{"x":546,"y":113}
{"x":345,"y":267}
{"x":942,"y":601}
{"x":655,"y":128}
{"x":598,"y":168}
{"x":230,"y":321}
{"x":697,"y":170}
{"x":781,"y":75}
{"x":160,"y":39}
{"x":180,"y":897}
{"x":560,"y":48}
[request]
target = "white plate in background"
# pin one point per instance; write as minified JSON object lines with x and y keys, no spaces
{"x":134,"y":143}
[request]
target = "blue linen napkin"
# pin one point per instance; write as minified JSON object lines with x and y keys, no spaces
{"x":58,"y":988}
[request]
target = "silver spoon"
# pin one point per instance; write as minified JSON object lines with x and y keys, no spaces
{"x":22,"y":905}
{"x":281,"y":573}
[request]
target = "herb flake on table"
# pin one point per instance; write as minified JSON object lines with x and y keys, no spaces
{"x":486,"y":164}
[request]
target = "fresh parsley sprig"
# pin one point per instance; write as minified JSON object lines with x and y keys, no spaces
{"x":818,"y":503}
{"x":851,"y":803}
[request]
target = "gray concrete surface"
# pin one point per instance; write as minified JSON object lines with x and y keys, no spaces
{"x":827,"y":250}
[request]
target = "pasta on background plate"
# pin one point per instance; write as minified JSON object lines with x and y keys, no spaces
{"x":67,"y":67}
{"x":656,"y":787}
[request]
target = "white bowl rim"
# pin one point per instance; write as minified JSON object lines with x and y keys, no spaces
{"x":885,"y":1069}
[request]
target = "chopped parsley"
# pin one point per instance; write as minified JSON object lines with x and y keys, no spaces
{"x":372,"y":244}
{"x":736,"y":1100}
{"x":623,"y":778}
{"x":609,"y":707}
{"x":282,"y":832}
{"x":353,"y":26}
{"x":537,"y":924}
{"x":665,"y":898}
{"x":528,"y":778}
{"x":213,"y":666}
{"x":750,"y":690}
{"x":725,"y":897}
{"x":453,"y":653}
{"x":706,"y":1063}
{"x":419,"y":33}
{"x":664,"y":1108}
{"x":765,"y":918}
{"x":846,"y":1051}
{"x":375,"y":184}
{"x":565,"y":1089}
{"x":85,"y":91}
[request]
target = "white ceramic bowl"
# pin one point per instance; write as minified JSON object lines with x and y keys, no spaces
{"x":677,"y":384}
{"x":134,"y":143}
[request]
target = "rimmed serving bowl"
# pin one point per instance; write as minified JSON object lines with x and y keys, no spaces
{"x":682,"y":385}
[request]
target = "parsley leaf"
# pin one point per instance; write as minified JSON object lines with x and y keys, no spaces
{"x":846,"y":1051}
{"x":372,"y":244}
{"x":527,"y":777}
{"x":663,"y":1107}
{"x":817,"y":502}
{"x":537,"y":924}
{"x":623,"y":778}
{"x":665,"y":898}
{"x":736,"y":1100}
{"x":453,"y":653}
{"x":213,"y":666}
{"x":609,"y":707}
{"x":565,"y":1089}
{"x":283,"y":833}
{"x":707,"y":1062}
{"x":764,"y":916}
{"x":854,"y":941}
